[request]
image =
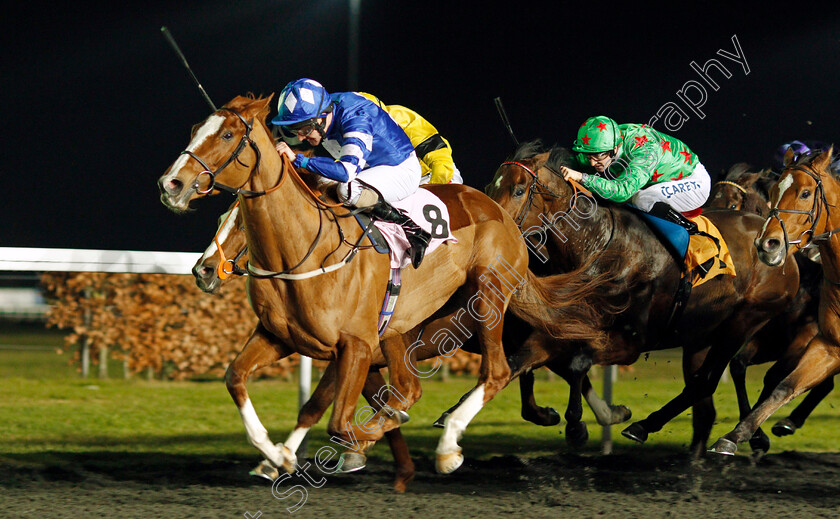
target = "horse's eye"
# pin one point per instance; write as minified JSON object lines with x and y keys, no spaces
{"x":805,"y":194}
{"x":733,"y":206}
{"x":518,"y":191}
{"x":227,"y":136}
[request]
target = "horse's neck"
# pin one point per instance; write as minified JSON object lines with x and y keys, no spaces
{"x":283,"y":224}
{"x":575,"y":237}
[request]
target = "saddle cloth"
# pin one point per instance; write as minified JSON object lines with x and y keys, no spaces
{"x":427,"y":211}
{"x":704,"y":260}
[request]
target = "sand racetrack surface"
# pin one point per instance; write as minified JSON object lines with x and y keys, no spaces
{"x":645,"y":482}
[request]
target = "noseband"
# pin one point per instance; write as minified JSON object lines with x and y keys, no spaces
{"x":813,"y":214}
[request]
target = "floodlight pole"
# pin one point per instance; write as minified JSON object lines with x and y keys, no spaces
{"x":353,"y":45}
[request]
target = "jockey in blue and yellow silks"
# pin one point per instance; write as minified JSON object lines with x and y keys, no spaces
{"x":372,"y":158}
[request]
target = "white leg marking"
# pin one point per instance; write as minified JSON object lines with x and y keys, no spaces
{"x":258,"y":435}
{"x":456,"y":423}
{"x":602,"y":410}
{"x":296,"y":438}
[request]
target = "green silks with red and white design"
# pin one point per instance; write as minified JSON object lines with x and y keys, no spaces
{"x":645,"y":157}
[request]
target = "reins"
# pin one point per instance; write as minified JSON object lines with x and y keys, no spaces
{"x":320,"y":204}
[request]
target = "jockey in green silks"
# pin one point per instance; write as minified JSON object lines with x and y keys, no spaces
{"x":634,"y":163}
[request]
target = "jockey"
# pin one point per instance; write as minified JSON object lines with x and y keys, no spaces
{"x":655,"y":172}
{"x":432,"y":149}
{"x":375,"y":163}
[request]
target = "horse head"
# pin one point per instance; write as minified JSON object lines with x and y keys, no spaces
{"x":741,"y":190}
{"x":802,"y":197}
{"x":222,"y":155}
{"x":529,"y":186}
{"x":224,"y":257}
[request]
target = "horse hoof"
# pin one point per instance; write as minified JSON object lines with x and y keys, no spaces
{"x":449,"y":462}
{"x":439,"y":422}
{"x":265,"y":470}
{"x":351,"y":462}
{"x":403,"y":417}
{"x":635,"y":432}
{"x":545,"y":416}
{"x":760,"y":442}
{"x":784,"y":427}
{"x":576,"y":434}
{"x":725,"y":447}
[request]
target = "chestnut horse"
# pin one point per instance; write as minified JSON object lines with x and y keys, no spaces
{"x":720,"y":316}
{"x":746,"y":190}
{"x":801,"y":216}
{"x":224,"y":260}
{"x":318,"y":293}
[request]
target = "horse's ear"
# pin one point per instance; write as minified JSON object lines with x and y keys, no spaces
{"x":261,"y":105}
{"x":823,"y":160}
{"x":749,"y":179}
{"x":789,"y":155}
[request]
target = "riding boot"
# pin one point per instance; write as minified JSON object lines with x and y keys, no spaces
{"x":417,"y":237}
{"x":666,"y":212}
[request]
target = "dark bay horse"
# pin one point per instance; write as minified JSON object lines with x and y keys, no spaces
{"x":801,"y":217}
{"x":572,"y":229}
{"x":744,"y":189}
{"x":310,"y":297}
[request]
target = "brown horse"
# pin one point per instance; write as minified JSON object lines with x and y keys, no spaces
{"x":720,"y":316}
{"x":224,"y":260}
{"x":801,"y":216}
{"x":746,"y":190}
{"x":743,"y":190}
{"x":318,"y":293}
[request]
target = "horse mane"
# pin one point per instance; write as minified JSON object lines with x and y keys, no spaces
{"x":527,"y":150}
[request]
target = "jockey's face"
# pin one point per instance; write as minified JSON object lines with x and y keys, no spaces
{"x":601,"y":161}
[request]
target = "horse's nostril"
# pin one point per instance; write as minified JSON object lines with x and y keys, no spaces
{"x":772,"y":244}
{"x":171,"y":186}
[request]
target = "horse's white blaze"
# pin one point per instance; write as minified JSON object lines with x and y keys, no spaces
{"x":228,"y":221}
{"x":296,"y":438}
{"x":784,"y":184}
{"x":457,"y":422}
{"x":210,"y":127}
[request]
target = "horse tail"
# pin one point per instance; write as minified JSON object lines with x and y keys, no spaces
{"x":569,"y":306}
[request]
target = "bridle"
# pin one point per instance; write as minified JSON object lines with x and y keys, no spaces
{"x":322,"y":206}
{"x":539,"y":188}
{"x":814,"y":213}
{"x":228,"y":267}
{"x":246,"y":140}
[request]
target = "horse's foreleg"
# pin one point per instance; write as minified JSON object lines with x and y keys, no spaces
{"x":701,"y":384}
{"x":576,"y":432}
{"x":352,"y":365}
{"x":261,"y":349}
{"x":798,"y":416}
{"x":310,"y":413}
{"x":703,"y":409}
{"x":819,"y":362}
{"x":530,"y":410}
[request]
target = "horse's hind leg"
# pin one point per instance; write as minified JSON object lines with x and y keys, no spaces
{"x":545,"y":416}
{"x":605,"y":413}
{"x":261,"y":349}
{"x":487,"y":310}
{"x":819,"y":362}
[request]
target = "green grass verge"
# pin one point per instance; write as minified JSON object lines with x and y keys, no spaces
{"x":47,"y":410}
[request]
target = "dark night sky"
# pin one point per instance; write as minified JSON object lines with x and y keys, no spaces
{"x":97,"y":105}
